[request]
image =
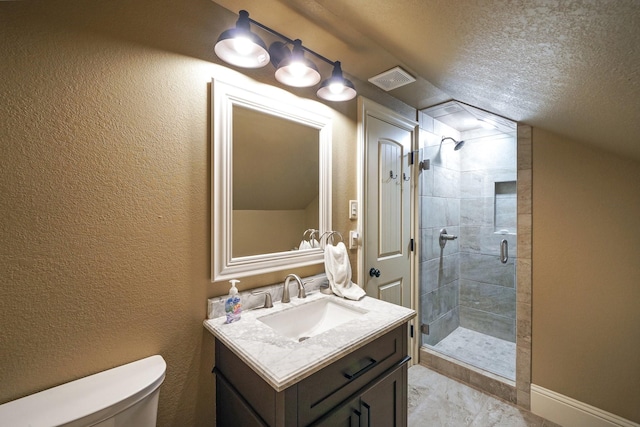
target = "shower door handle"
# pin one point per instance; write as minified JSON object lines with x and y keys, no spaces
{"x":504,"y":251}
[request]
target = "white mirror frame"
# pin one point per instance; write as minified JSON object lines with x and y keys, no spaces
{"x":280,"y":103}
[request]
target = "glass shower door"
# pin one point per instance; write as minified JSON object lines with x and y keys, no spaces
{"x":467,"y":284}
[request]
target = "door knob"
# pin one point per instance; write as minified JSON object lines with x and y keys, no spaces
{"x":374,"y":272}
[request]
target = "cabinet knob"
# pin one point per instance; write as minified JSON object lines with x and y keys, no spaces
{"x":374,"y":272}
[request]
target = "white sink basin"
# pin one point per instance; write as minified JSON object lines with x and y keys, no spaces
{"x":310,"y":319}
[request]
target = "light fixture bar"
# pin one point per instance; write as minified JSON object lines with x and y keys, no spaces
{"x":290,"y":41}
{"x":292,"y":68}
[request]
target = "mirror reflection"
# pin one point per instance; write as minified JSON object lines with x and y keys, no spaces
{"x":271,"y":178}
{"x":275,"y":183}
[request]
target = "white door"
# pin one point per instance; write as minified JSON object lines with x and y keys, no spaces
{"x":387,"y":140}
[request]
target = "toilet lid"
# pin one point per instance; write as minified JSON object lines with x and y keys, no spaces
{"x":99,"y":396}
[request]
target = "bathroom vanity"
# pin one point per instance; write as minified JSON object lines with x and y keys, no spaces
{"x":350,"y":371}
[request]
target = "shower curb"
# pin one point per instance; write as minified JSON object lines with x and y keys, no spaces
{"x":480,"y":379}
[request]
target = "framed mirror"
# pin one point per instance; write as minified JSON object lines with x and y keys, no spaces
{"x":271,"y":179}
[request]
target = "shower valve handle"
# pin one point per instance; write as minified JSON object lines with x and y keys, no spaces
{"x":444,"y":237}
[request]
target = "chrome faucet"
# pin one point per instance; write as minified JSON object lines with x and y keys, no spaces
{"x":285,"y":291}
{"x":268,"y":302}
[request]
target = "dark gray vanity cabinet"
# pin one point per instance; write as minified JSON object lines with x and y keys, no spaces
{"x":382,"y":404}
{"x":367,"y":387}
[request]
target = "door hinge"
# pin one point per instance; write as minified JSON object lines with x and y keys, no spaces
{"x":411,"y":331}
{"x":422,"y":164}
{"x":413,"y":155}
{"x":412,"y":245}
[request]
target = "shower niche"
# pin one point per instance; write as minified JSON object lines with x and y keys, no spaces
{"x":505,"y":207}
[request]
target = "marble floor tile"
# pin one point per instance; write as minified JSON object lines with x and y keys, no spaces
{"x":434,"y":400}
{"x":480,"y":350}
{"x":438,"y":401}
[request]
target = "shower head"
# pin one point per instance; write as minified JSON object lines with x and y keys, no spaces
{"x":458,"y":144}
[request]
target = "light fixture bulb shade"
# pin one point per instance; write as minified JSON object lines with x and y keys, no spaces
{"x":296,"y":70}
{"x":240,"y":47}
{"x":337,"y":88}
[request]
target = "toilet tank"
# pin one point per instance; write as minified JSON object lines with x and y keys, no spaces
{"x":125,"y":396}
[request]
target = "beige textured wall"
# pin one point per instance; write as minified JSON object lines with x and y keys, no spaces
{"x":104,"y":195}
{"x":104,"y":212}
{"x":586,"y":274}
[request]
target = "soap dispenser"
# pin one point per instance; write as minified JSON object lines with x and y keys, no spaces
{"x":233,"y":305}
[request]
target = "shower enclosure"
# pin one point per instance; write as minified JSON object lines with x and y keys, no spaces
{"x":468,"y":218}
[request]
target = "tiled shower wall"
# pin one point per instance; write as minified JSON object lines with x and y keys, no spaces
{"x":465,"y":284}
{"x":487,"y":216}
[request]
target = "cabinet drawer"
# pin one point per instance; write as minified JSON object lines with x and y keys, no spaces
{"x":382,"y":404}
{"x":328,"y":387}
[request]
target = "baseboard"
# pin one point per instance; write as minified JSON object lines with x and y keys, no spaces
{"x":569,"y":412}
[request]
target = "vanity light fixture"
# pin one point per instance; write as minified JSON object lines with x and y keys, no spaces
{"x":240,"y":47}
{"x":296,"y":70}
{"x":337,"y":88}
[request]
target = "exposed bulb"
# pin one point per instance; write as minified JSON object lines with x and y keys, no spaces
{"x":297,"y":69}
{"x":243,"y":45}
{"x":336,"y":88}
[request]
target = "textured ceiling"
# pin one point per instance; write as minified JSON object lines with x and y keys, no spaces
{"x":572,"y":67}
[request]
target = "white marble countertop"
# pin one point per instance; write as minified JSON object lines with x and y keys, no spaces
{"x":282,"y":361}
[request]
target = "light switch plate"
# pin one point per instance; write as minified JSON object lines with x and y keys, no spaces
{"x":353,"y":209}
{"x":354,"y":241}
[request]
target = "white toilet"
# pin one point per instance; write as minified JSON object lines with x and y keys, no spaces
{"x":126,"y":396}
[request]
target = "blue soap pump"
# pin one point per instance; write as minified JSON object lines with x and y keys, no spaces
{"x":232,"y":305}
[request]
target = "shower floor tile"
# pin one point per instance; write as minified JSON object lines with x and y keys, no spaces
{"x":483,"y":351}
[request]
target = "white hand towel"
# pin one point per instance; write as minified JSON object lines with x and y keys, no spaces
{"x":338,"y":270}
{"x":304,"y":245}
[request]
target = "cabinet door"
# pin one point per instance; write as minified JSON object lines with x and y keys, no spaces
{"x":231,"y":409}
{"x":347,"y":415}
{"x":385,"y":404}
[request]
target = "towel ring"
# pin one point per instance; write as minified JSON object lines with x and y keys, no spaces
{"x":330,"y":236}
{"x":312,"y":231}
{"x":333,"y":233}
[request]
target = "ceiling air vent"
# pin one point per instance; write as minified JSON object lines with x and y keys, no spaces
{"x":392,"y":79}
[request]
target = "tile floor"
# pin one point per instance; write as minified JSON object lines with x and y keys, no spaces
{"x":438,"y":401}
{"x":480,"y":350}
